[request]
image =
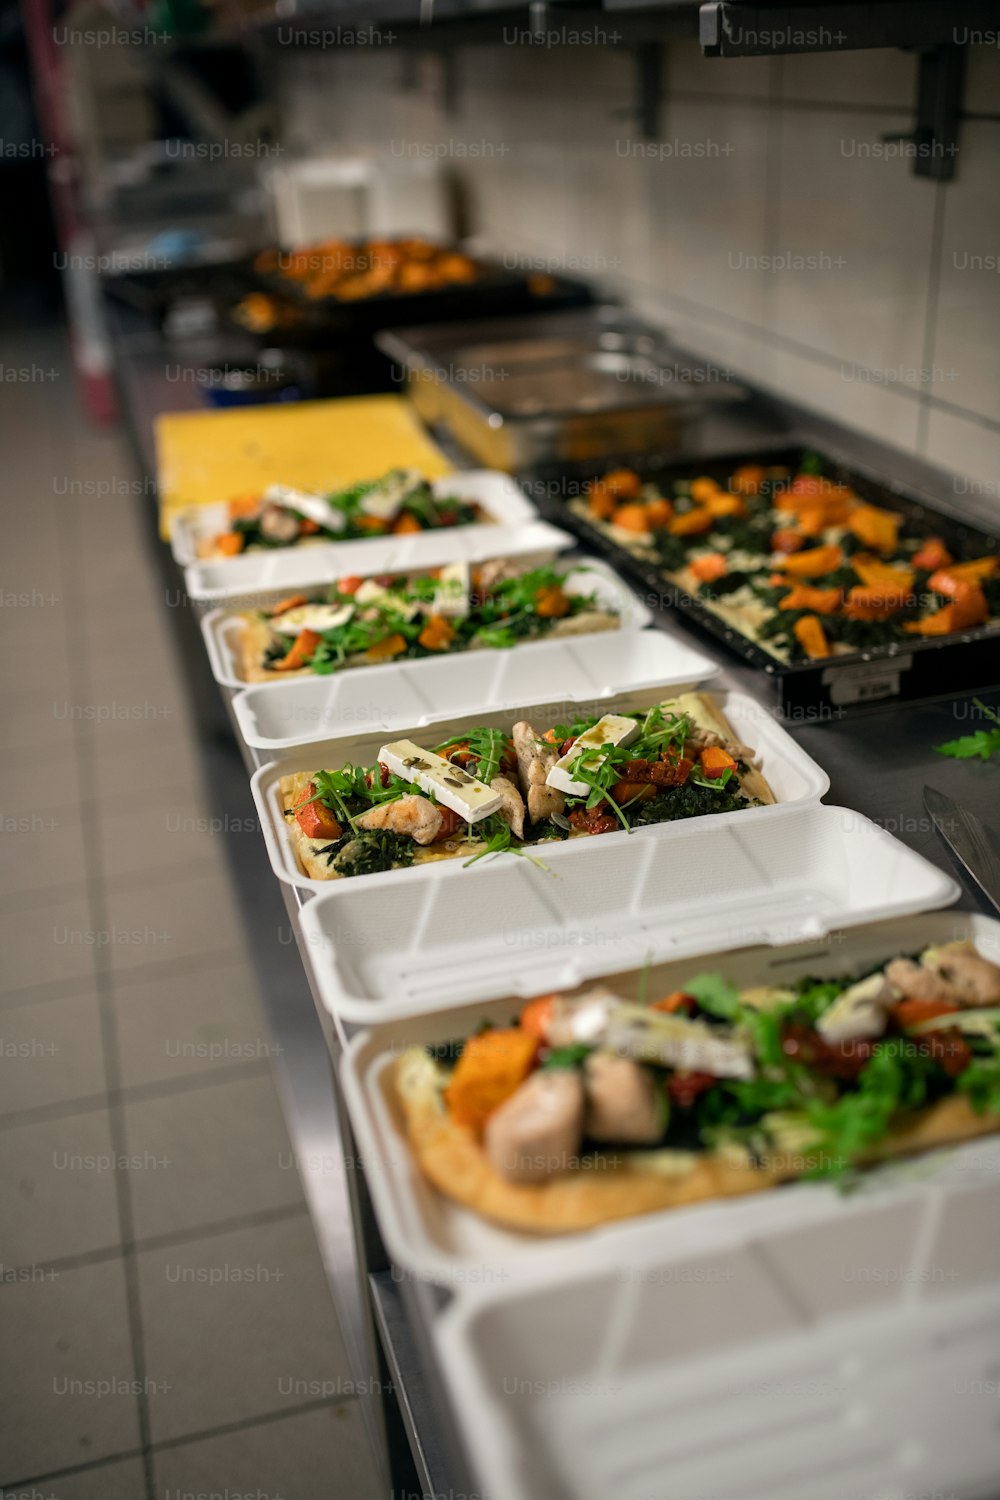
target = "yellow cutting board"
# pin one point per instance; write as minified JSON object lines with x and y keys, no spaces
{"x":206,"y":456}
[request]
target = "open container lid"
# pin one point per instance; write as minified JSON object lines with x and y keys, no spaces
{"x":763,"y":876}
{"x":577,"y":669}
{"x":605,"y":1380}
{"x":257,"y":578}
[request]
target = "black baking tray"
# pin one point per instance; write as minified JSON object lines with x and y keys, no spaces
{"x":918,"y":669}
{"x":498,"y":292}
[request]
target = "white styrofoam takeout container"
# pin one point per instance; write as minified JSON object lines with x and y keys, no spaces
{"x":310,"y":562}
{"x":813,"y":1364}
{"x":587,"y":669}
{"x":261,"y":585}
{"x":220,"y":628}
{"x":794,"y":777}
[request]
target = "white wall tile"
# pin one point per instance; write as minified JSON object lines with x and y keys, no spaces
{"x":879,"y":410}
{"x":864,"y":224}
{"x":972,"y":452}
{"x":967,"y":326}
{"x":982,"y":77}
{"x":884,"y":76}
{"x":688,"y":71}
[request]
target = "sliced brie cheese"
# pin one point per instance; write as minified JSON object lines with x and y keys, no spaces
{"x":452,"y":596}
{"x":371,"y":592}
{"x":452,"y":787}
{"x":859,"y":1012}
{"x":312,"y":617}
{"x":677,"y":1042}
{"x":305,"y":504}
{"x":612,"y":730}
{"x":385,"y":499}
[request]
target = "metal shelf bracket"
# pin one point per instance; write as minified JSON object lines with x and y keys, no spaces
{"x":938,"y":114}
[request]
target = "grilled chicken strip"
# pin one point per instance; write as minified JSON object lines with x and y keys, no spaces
{"x":622,"y":1100}
{"x":278,"y":524}
{"x":512,"y":808}
{"x":535,"y":758}
{"x":412,"y":815}
{"x":955,"y":974}
{"x":539,"y":1129}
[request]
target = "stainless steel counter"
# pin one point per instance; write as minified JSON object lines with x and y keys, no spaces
{"x":878,"y":763}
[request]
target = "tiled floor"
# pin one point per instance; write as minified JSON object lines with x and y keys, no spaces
{"x":164,"y":1314}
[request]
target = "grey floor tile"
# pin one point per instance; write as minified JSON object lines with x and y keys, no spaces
{"x":149,"y":756}
{"x":228,"y":1155}
{"x":52,"y":943}
{"x":233,"y":1325}
{"x":40,"y":849}
{"x":176,"y":831}
{"x":43,"y":716}
{"x":50,"y":1052}
{"x":40,"y":780}
{"x":123,"y":1479}
{"x":58,"y":1188}
{"x":172,"y":1026}
{"x":180,"y":917}
{"x":69,"y":1395}
{"x":317,"y":1455}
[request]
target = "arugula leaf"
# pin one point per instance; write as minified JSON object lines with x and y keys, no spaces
{"x":984,"y":743}
{"x":572,"y":1056}
{"x":716,"y":995}
{"x":981,"y":1083}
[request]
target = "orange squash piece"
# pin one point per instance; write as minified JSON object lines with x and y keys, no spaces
{"x":671,"y":1004}
{"x":374,"y":524}
{"x":968,"y":607}
{"x":815,"y":562}
{"x":294,"y":601}
{"x":492,"y":1066}
{"x":811,"y":636}
{"x":709,"y":567}
{"x":820,"y":601}
{"x":943,"y":579}
{"x":242,"y":505}
{"x":230,"y":543}
{"x":786,"y":539}
{"x":631,"y":518}
{"x":624,"y":484}
{"x":601,"y":501}
{"x":437,"y":634}
{"x":932,"y":555}
{"x":875,"y":603}
{"x":715,"y":761}
{"x":552,"y":603}
{"x":875,"y":527}
{"x":537,"y":1015}
{"x":315,"y":819}
{"x":385,"y":650}
{"x":302,"y":648}
{"x":873,"y":572}
{"x":405,"y":524}
{"x":748,"y":479}
{"x":703,"y":489}
{"x":723,"y":504}
{"x":692,"y":522}
{"x":659,"y":512}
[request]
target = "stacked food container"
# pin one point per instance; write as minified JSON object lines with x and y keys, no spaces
{"x":761,"y":1345}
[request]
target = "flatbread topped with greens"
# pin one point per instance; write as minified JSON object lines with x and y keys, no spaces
{"x":489,"y":792}
{"x":366,"y":622}
{"x":797,"y":562}
{"x":595,"y":1107}
{"x":400,"y":502}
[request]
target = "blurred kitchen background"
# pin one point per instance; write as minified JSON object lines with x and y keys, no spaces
{"x":770,"y":213}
